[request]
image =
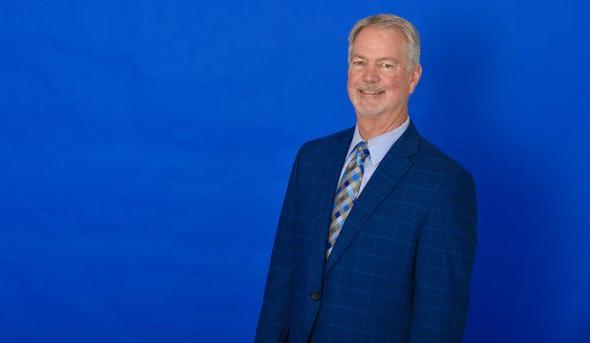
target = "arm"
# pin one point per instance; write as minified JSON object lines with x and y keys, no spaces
{"x":444,"y":261}
{"x":276,"y":305}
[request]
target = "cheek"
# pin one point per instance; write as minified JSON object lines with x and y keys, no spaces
{"x":394,"y":81}
{"x":352,"y":79}
{"x":349,"y":87}
{"x":398,"y":87}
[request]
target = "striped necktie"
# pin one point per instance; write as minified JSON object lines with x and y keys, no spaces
{"x":347,"y":192}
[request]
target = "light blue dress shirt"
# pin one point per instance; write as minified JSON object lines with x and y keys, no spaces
{"x":378,"y":147}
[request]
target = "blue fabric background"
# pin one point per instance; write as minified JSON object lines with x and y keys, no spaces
{"x":145,"y":149}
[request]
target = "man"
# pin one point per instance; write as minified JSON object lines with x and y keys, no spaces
{"x":376,"y":238}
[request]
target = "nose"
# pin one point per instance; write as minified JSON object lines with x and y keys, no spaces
{"x":371,"y":75}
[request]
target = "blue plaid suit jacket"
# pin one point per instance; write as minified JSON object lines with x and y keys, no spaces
{"x":401,"y":267}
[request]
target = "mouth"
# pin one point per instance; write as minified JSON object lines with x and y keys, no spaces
{"x":371,"y":92}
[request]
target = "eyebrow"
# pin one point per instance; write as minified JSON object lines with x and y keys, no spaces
{"x":380,"y":59}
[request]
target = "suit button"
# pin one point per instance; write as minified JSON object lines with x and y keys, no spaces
{"x":315,"y":296}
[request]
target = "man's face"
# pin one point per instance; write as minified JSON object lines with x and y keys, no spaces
{"x":380,"y":76}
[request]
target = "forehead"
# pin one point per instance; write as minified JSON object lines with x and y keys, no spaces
{"x":375,"y":40}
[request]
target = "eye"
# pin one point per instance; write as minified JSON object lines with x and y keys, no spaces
{"x":358,"y":62}
{"x":386,"y":65}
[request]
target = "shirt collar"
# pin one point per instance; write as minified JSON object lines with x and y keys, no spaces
{"x":380,"y":145}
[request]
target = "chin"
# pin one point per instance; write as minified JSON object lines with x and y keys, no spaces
{"x":369,"y":112}
{"x":368,"y":108}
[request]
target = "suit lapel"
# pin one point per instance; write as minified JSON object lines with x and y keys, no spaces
{"x":386,"y":176}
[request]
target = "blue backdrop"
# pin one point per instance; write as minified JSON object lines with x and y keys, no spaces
{"x":145,"y":148}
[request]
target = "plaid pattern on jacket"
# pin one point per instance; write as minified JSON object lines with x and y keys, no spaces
{"x":400,"y":270}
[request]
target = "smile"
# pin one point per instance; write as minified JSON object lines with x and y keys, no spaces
{"x":371,"y":92}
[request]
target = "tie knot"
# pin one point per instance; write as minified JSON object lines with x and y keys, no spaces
{"x":362,"y":150}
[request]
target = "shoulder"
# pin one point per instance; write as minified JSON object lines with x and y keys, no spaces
{"x":319,"y":147}
{"x":447,"y":174}
{"x":453,"y":200}
{"x":327,"y":142}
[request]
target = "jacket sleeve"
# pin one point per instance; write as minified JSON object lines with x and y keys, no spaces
{"x":444,"y":261}
{"x":276,"y":305}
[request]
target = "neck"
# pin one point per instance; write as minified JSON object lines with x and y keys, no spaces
{"x":373,"y":126}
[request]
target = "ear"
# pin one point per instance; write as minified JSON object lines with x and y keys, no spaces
{"x":415,"y":76}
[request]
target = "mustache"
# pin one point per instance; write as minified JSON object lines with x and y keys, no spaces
{"x":366,"y":87}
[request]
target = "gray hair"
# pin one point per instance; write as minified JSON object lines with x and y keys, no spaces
{"x":390,"y":22}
